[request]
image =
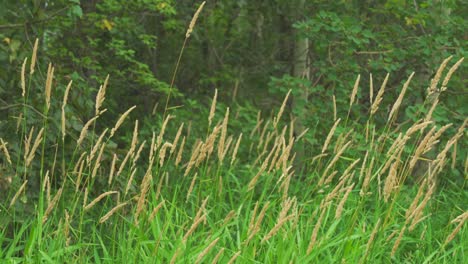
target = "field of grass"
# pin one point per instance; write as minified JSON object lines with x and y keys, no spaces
{"x":371,"y":195}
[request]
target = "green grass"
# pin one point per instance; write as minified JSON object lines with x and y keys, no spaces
{"x":259,"y":208}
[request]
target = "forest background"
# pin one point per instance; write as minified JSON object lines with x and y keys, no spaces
{"x":250,"y":54}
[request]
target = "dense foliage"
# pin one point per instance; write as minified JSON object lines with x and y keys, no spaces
{"x":377,"y":159}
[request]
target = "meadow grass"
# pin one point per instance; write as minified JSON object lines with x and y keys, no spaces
{"x":232,"y":198}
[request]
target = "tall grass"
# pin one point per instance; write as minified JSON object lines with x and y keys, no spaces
{"x":229,"y":198}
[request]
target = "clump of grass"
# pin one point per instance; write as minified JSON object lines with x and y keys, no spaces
{"x":355,"y":201}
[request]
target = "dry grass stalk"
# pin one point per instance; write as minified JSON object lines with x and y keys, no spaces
{"x":254,"y":180}
{"x":313,"y":238}
{"x":97,"y":164}
{"x":234,"y":257}
{"x":256,"y":128}
{"x":111,"y":212}
{"x":66,"y":229}
{"x":222,"y":138}
{"x":236,"y":148}
{"x":18,"y":193}
{"x":354,"y":92}
{"x":418,"y":212}
{"x":226,"y":148}
{"x":454,"y":156}
{"x":179,"y":153}
{"x":449,"y":74}
{"x":176,"y":139}
{"x":134,"y":138}
{"x":213,"y":108}
{"x":48,"y":87}
{"x":206,"y":250}
{"x":411,"y":209}
{"x":46,"y":187}
{"x":101,"y":95}
{"x":440,"y":160}
{"x":346,"y":171}
{"x":121,"y":120}
{"x":160,"y":137}
{"x":85,"y":196}
{"x":418,"y":126}
{"x":160,"y":183}
{"x":194,"y":20}
{"x":363,"y":166}
{"x":336,"y":157}
{"x":65,"y":99}
{"x":84,"y":130}
{"x":136,"y":157}
{"x":99,"y":198}
{"x":433,"y":87}
{"x":461,"y":219}
{"x":23,"y":78}
{"x":96,"y":146}
{"x":281,"y":110}
{"x":27,"y":143}
{"x":255,"y":227}
{"x":398,"y":241}
{"x":162,"y":152}
{"x":196,"y":223}
{"x":51,"y":205}
{"x":397,"y":103}
{"x":391,"y":182}
{"x":5,"y":150}
{"x":231,"y":215}
{"x":379,"y":96}
{"x":434,"y":139}
{"x":371,"y":239}
{"x":156,"y":210}
{"x":130,"y":180}
{"x":194,"y":156}
{"x":32,"y":153}
{"x":218,"y":256}
{"x":428,"y":116}
{"x":80,"y":173}
{"x":112,"y":169}
{"x":202,"y":208}
{"x":192,"y":184}
{"x":77,"y":164}
{"x":34,"y":57}
{"x":174,"y":257}
{"x":335,"y":112}
{"x":282,"y":218}
{"x":342,"y":139}
{"x":339,"y":208}
{"x":367,"y":178}
{"x":371,"y":88}
{"x":144,"y":187}
{"x":125,"y":160}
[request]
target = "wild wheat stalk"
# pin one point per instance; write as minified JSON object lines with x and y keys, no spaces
{"x":52,"y":205}
{"x":330,"y":135}
{"x":397,"y":103}
{"x":99,"y":198}
{"x":5,"y":150}
{"x":101,"y":95}
{"x":23,"y":78}
{"x":213,"y":108}
{"x":111,"y":212}
{"x":65,"y":99}
{"x":34,"y":57}
{"x":48,"y":87}
{"x":206,"y":250}
{"x":18,"y":193}
{"x":354,"y":92}
{"x":121,"y":120}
